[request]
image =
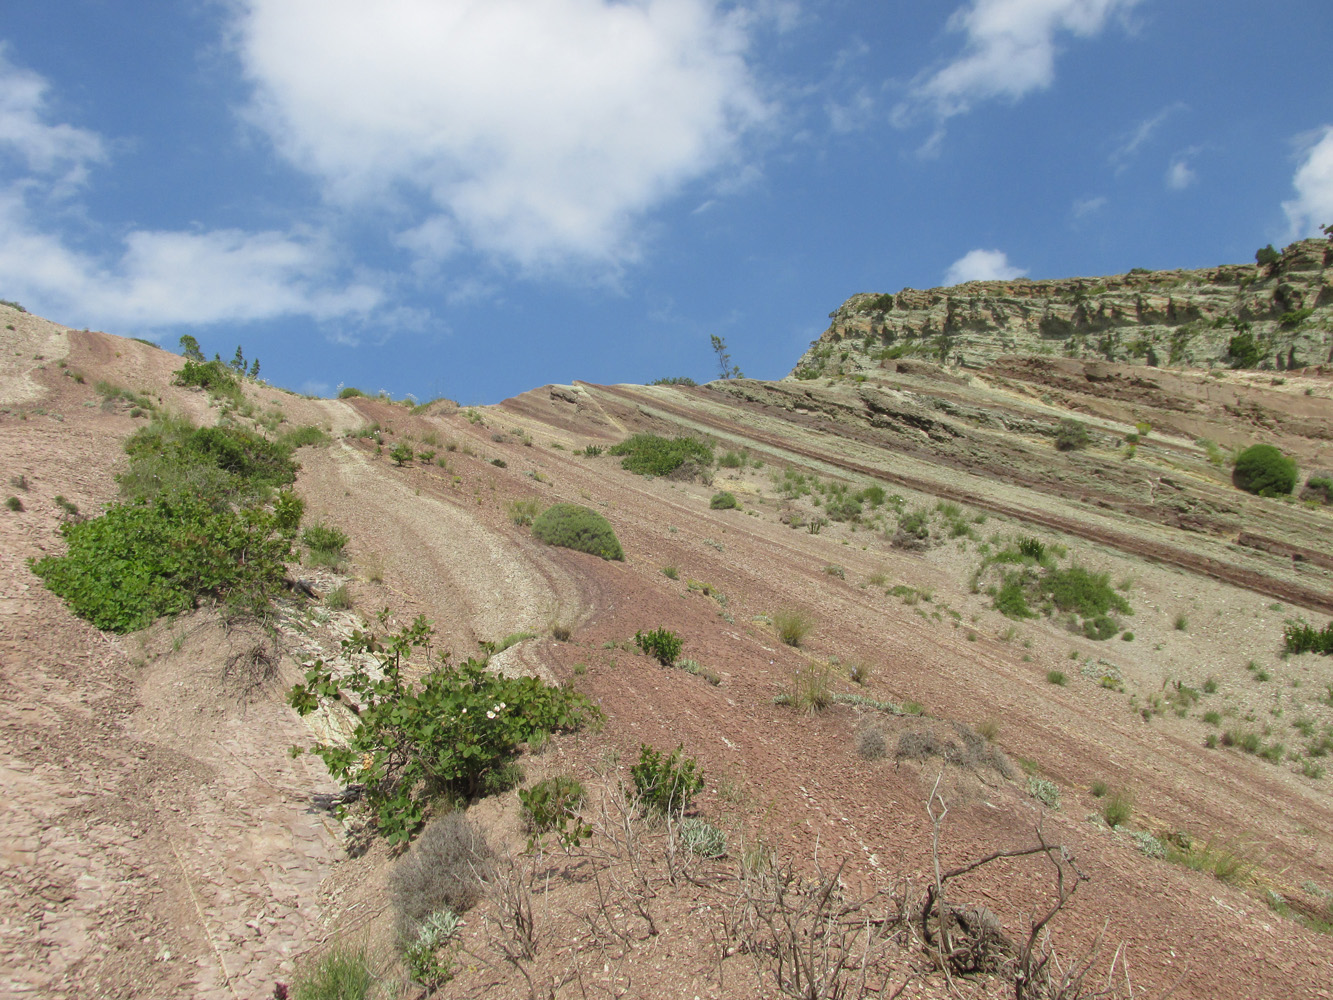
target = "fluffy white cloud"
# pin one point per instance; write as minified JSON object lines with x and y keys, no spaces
{"x":1312,"y":207}
{"x":154,"y":278}
{"x":43,"y":147}
{"x":168,"y":278}
{"x":982,"y":265}
{"x":536,"y":129}
{"x":1009,"y":51}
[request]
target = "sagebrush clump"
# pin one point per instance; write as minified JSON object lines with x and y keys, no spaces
{"x":572,"y":526}
{"x":1263,"y":470}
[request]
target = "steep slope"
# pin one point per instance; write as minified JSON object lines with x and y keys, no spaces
{"x":162,"y":842}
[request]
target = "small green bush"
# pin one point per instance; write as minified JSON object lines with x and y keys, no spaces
{"x":702,"y":838}
{"x":213,"y":376}
{"x":1057,"y":677}
{"x":552,"y":806}
{"x":572,"y":526}
{"x":723,"y":501}
{"x":320,"y":537}
{"x":1302,"y":637}
{"x":402,"y":453}
{"x":1072,"y":435}
{"x":1265,"y":471}
{"x":666,"y":784}
{"x":652,"y":455}
{"x":14,"y":504}
{"x":350,"y":392}
{"x":660,"y":643}
{"x":523,"y":512}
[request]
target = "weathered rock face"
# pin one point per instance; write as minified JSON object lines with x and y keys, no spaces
{"x":1276,"y":317}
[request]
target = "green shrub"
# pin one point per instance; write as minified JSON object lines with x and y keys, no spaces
{"x":1087,"y":594}
{"x":1057,"y":677}
{"x":1266,"y":256}
{"x":523,"y":512}
{"x":1244,"y":351}
{"x":303,"y":436}
{"x":666,"y":784}
{"x":349,"y":392}
{"x":702,"y":838}
{"x":1264,"y":470}
{"x":674,"y":380}
{"x":1302,"y":637}
{"x":326,"y":543}
{"x":1072,"y":435}
{"x":572,"y":526}
{"x":793,"y":625}
{"x":14,"y":504}
{"x":723,"y":501}
{"x":402,"y":453}
{"x":143,"y":560}
{"x":446,"y":734}
{"x":339,"y":974}
{"x":338,"y":599}
{"x":659,"y":643}
{"x":1010,"y":600}
{"x":916,"y":524}
{"x":651,"y":455}
{"x":670,"y":572}
{"x":214,"y":376}
{"x":552,"y":806}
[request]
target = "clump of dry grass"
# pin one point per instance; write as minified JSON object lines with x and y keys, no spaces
{"x":447,"y":868}
{"x":793,"y":625}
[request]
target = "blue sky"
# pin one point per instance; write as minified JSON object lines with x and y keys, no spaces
{"x":471,"y":198}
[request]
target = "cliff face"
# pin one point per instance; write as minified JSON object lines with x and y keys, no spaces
{"x":1277,"y":316}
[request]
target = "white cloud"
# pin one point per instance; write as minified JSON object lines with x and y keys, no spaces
{"x":1180,"y":175}
{"x":44,"y":148}
{"x":1009,"y":52}
{"x":171,"y":278}
{"x":1140,"y":134}
{"x":539,"y":130}
{"x":1312,"y":208}
{"x":982,"y":265}
{"x":155,"y":278}
{"x":1087,"y":206}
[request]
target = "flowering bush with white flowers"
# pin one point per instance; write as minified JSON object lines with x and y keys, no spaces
{"x":441,"y":735}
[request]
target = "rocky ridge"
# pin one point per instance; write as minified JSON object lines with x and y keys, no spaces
{"x":1177,"y":318}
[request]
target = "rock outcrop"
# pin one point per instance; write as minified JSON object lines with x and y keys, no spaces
{"x":1277,"y":317}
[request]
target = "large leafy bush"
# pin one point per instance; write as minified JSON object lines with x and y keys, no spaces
{"x":1264,"y":470}
{"x":143,"y":560}
{"x":652,"y":455}
{"x":443,"y":735}
{"x":199,"y":520}
{"x":572,"y":526}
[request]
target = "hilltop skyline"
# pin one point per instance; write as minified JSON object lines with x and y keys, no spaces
{"x":472,"y":199}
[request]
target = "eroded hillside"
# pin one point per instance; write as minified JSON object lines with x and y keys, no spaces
{"x":161,"y":841}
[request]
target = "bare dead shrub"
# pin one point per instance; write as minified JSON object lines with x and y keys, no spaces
{"x":871,"y":745}
{"x":251,"y":673}
{"x":447,"y":868}
{"x":968,"y":749}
